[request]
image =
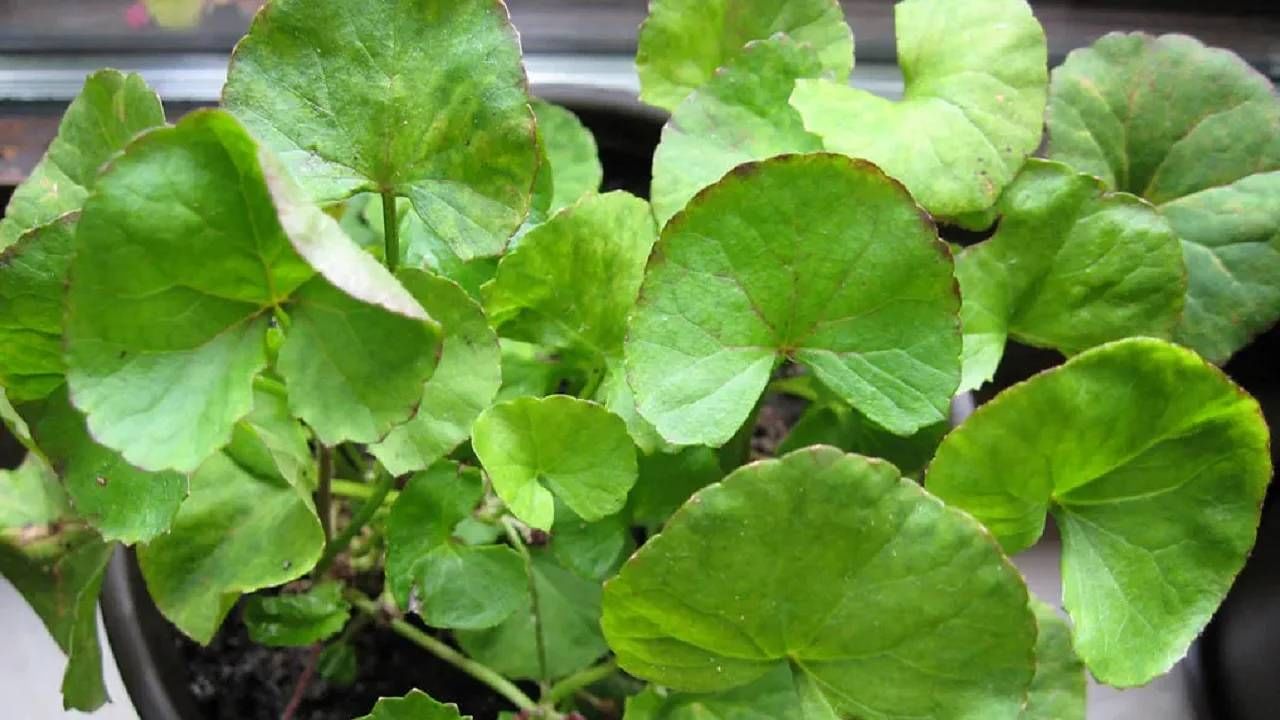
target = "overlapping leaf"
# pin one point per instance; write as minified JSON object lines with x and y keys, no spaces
{"x":818,"y":258}
{"x":538,"y":449}
{"x":33,"y":277}
{"x":1059,"y":686}
{"x":423,"y":517}
{"x":297,"y":619}
{"x":829,"y":566}
{"x":417,"y":705}
{"x":741,"y":114}
{"x":683,"y":42}
{"x":1071,"y":266}
{"x":972,"y":110}
{"x":1154,"y":466}
{"x":1195,"y":131}
{"x":110,"y":110}
{"x":572,"y":162}
{"x":425,"y":100}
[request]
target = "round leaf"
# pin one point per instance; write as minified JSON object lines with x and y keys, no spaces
{"x":179,"y":258}
{"x":1154,"y":466}
{"x":1196,"y":131}
{"x":423,"y":99}
{"x":33,"y":279}
{"x":740,"y":115}
{"x":572,"y":159}
{"x":534,"y":447}
{"x":110,"y":110}
{"x":423,"y":517}
{"x":1072,"y":266}
{"x":683,"y":41}
{"x":417,"y":705}
{"x":972,"y":110}
{"x":465,"y":381}
{"x":830,"y":565}
{"x":817,"y":258}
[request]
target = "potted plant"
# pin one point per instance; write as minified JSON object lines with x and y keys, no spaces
{"x":365,"y":349}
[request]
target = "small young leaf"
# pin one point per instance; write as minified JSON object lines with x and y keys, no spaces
{"x":573,"y":279}
{"x":465,"y":381}
{"x":572,"y":160}
{"x":179,"y":258}
{"x":417,"y":705}
{"x":31,"y":494}
{"x":468,"y":587}
{"x":569,"y":609}
{"x":294,"y":620}
{"x":237,"y":532}
{"x":281,"y":437}
{"x":534,"y":447}
{"x":829,"y":565}
{"x":110,"y":110}
{"x":120,"y":501}
{"x":423,"y":517}
{"x":58,"y":570}
{"x":426,"y":100}
{"x":33,"y":279}
{"x":1058,"y":689}
{"x":819,"y":258}
{"x":1195,"y":131}
{"x":615,"y":394}
{"x":973,"y":109}
{"x":683,"y":42}
{"x":338,"y":663}
{"x":1136,"y":447}
{"x":594,"y":550}
{"x":354,"y":370}
{"x":1071,"y":266}
{"x":740,"y":115}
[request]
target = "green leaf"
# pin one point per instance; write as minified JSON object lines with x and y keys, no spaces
{"x":1195,"y":131}
{"x":417,"y":705}
{"x":426,"y":100}
{"x":338,"y":663}
{"x":739,"y":116}
{"x":569,"y":607}
{"x":13,"y":422}
{"x":239,"y":531}
{"x":573,"y":280}
{"x":836,"y":424}
{"x":772,"y":697}
{"x":972,"y":109}
{"x":294,"y":620}
{"x":470,"y":587}
{"x":575,"y":169}
{"x":594,"y":550}
{"x":58,"y":569}
{"x":1070,"y":267}
{"x":120,"y":501}
{"x":31,"y":495}
{"x":682,"y":42}
{"x":616,"y":394}
{"x":534,"y":447}
{"x":422,"y":249}
{"x":465,"y":381}
{"x":33,"y":278}
{"x":1154,"y":466}
{"x":830,"y":565}
{"x":529,"y":370}
{"x":817,"y":258}
{"x":1058,"y":688}
{"x":423,"y":517}
{"x":179,"y":259}
{"x":282,"y":438}
{"x":110,"y":110}
{"x":666,"y":480}
{"x":354,"y":370}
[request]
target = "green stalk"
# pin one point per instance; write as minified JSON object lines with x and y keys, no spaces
{"x":483,"y":673}
{"x":324,"y":493}
{"x":390,"y":230}
{"x":359,"y":490}
{"x":271,"y":386}
{"x":513,"y":533}
{"x":579,"y":680}
{"x":358,"y":521}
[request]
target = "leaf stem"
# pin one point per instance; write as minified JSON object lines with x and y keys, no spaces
{"x":358,"y":490}
{"x":324,"y":491}
{"x":579,"y":680}
{"x":359,"y":520}
{"x":483,"y":673}
{"x":517,"y":541}
{"x":271,"y":386}
{"x":390,"y":230}
{"x":304,"y":680}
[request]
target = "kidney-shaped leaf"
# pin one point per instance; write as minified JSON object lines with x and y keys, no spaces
{"x":1196,"y":131}
{"x":534,"y":447}
{"x":819,"y":258}
{"x":110,"y":110}
{"x":417,"y":705}
{"x":33,"y":278}
{"x":179,"y":259}
{"x":972,"y":110}
{"x":831,"y":565}
{"x":741,"y":114}
{"x":1071,"y":266}
{"x":683,"y":42}
{"x":1154,"y":466}
{"x":421,"y":98}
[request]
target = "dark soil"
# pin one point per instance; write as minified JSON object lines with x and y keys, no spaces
{"x":235,"y":679}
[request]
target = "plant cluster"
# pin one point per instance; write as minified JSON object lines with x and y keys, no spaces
{"x":372,"y":319}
